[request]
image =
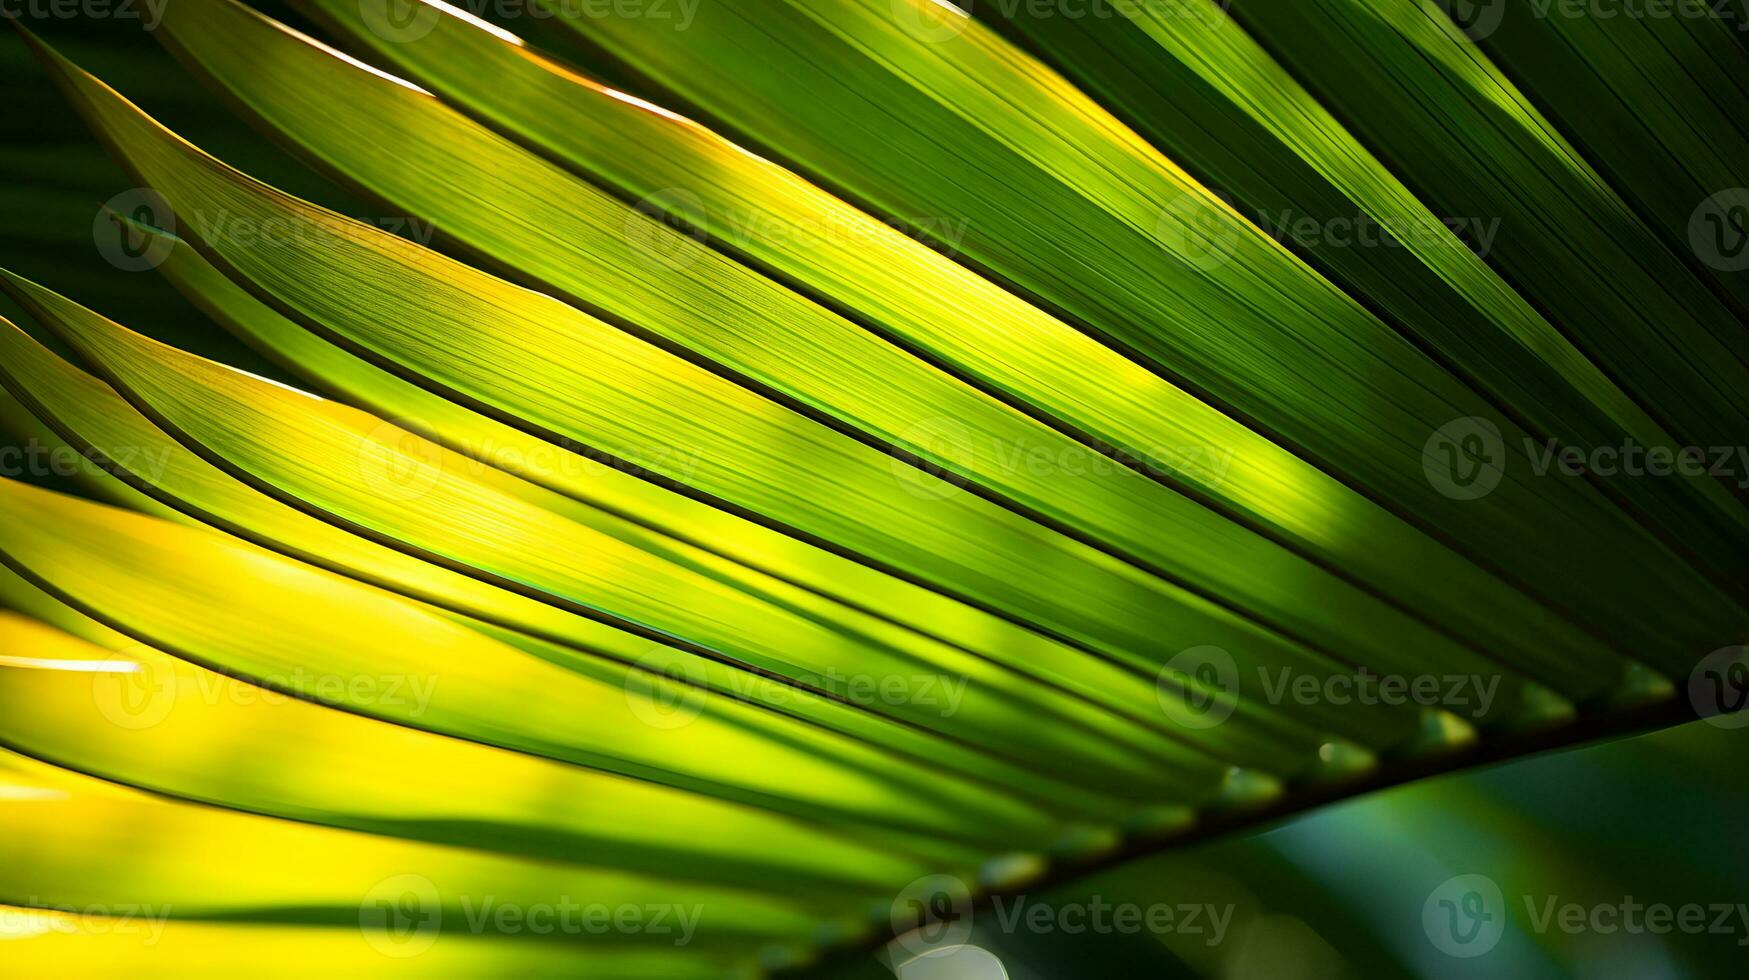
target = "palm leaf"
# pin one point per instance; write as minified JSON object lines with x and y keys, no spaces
{"x":884,"y":475}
